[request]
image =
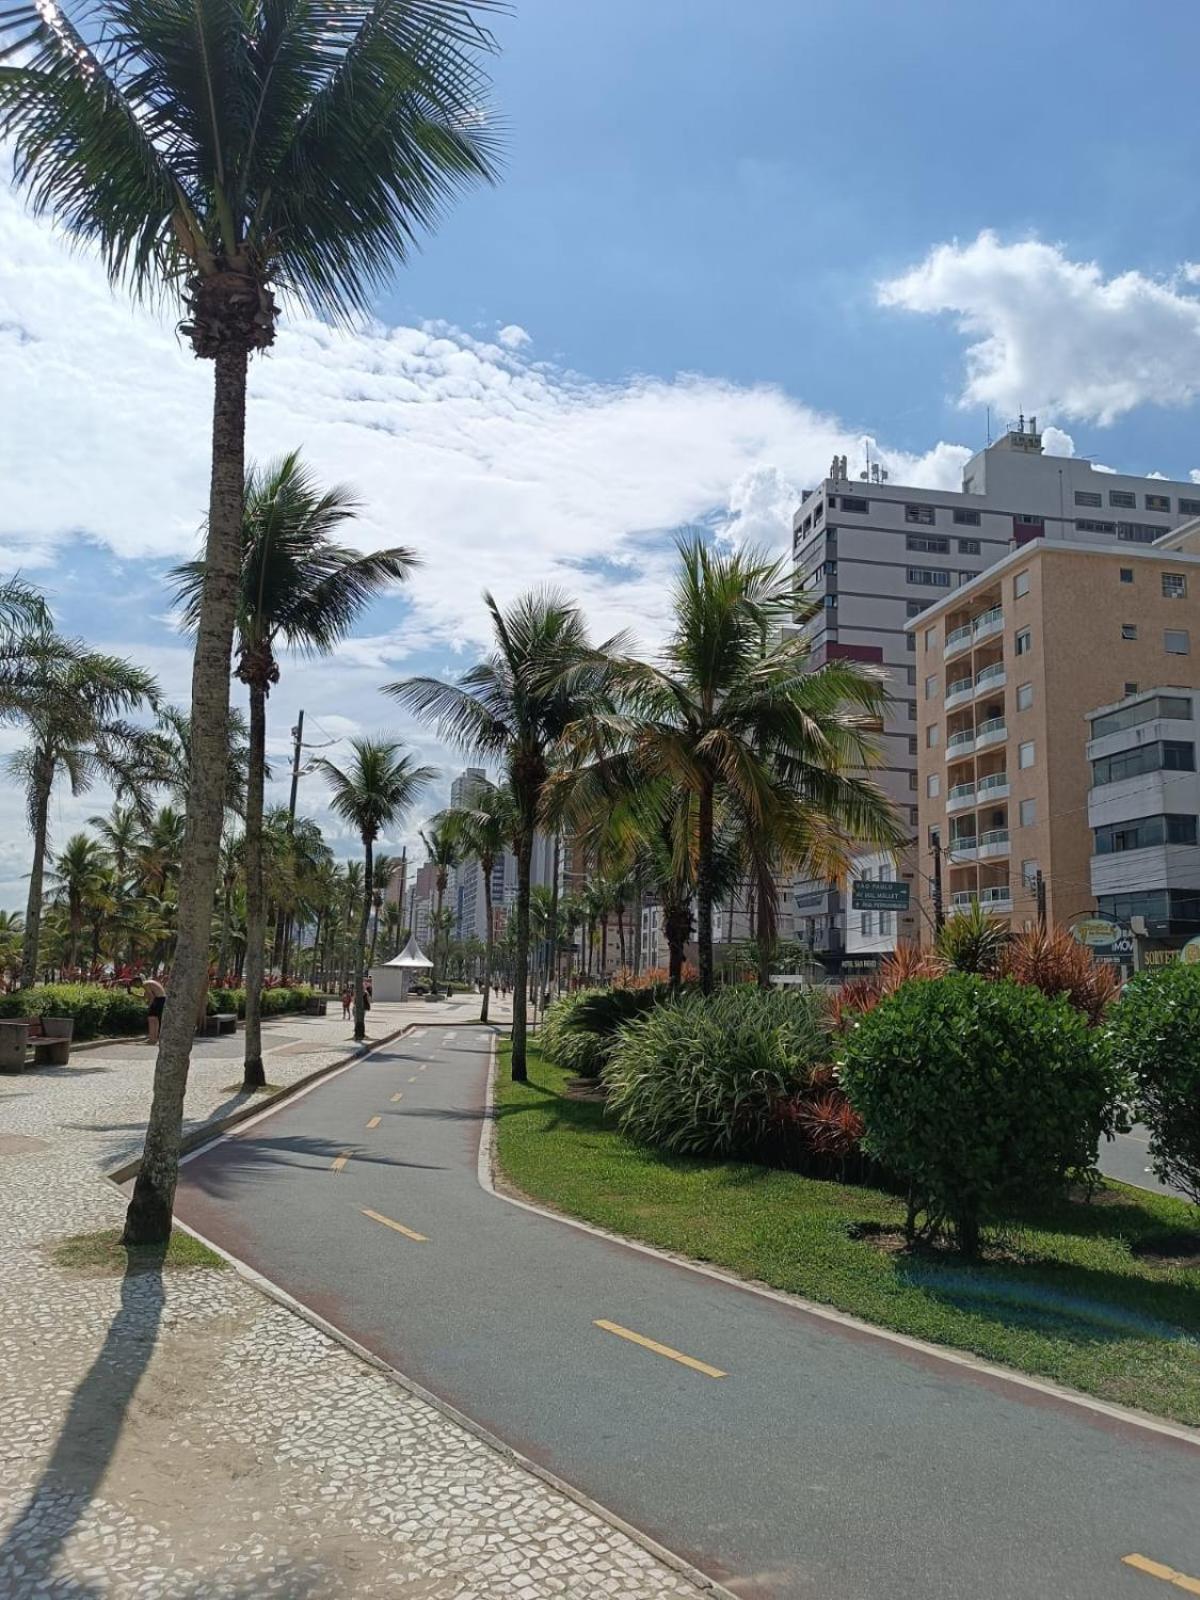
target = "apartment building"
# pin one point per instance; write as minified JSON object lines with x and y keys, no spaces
{"x":872,"y":555}
{"x":1010,"y":667}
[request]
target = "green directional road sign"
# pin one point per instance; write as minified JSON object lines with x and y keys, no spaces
{"x":868,"y":894}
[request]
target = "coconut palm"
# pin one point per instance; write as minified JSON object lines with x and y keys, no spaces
{"x":11,"y":934}
{"x":217,"y":153}
{"x":300,"y":589}
{"x":484,"y":830}
{"x":386,"y":868}
{"x":171,"y":758}
{"x":515,"y":707}
{"x":734,"y":716}
{"x":79,"y":880}
{"x":77,"y":725}
{"x":441,"y":846}
{"x":372,"y":792}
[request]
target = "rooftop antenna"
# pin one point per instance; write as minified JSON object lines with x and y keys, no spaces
{"x":989,"y":424}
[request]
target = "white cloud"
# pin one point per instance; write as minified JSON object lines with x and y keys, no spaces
{"x":1056,"y":336}
{"x":1057,"y":443}
{"x":512,"y":336}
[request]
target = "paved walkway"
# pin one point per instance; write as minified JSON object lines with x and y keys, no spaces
{"x":181,"y":1437}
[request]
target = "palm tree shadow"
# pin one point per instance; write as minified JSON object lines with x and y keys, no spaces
{"x":89,"y":1433}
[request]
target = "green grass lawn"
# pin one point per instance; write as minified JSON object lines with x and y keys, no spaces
{"x":103,"y":1254}
{"x":1073,"y":1303}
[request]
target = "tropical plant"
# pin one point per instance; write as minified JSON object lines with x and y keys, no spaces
{"x":441,"y":846}
{"x":12,"y":933}
{"x":372,"y":792}
{"x":516,"y":707}
{"x":580,"y":1031}
{"x":386,"y":868}
{"x":1154,"y":1031}
{"x":980,"y":1095}
{"x":1053,"y":960}
{"x":302,"y":590}
{"x":972,"y":940}
{"x":218,"y":154}
{"x":80,"y":878}
{"x":484,"y":829}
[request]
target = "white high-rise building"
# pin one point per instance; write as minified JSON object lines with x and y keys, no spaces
{"x":872,"y":554}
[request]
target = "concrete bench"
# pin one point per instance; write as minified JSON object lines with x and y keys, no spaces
{"x":14,"y":1043}
{"x":226,"y":1021}
{"x":51,"y":1044}
{"x":316,"y":1007}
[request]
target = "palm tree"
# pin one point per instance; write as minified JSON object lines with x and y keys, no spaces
{"x":77,"y":725}
{"x":79,"y":874}
{"x":441,"y":846}
{"x":733,"y":719}
{"x":171,"y":759}
{"x":215,"y":154}
{"x":385,"y":870}
{"x":515,"y":707}
{"x":300,"y":589}
{"x":372,"y":793}
{"x":11,"y":935}
{"x":484,"y":830}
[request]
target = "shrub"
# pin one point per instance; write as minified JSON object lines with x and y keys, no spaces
{"x":576,"y":1052}
{"x":973,"y":941}
{"x":705,"y":1075}
{"x":1155,"y":1037}
{"x":97,"y":1010}
{"x":1057,"y":964}
{"x":981,"y":1095}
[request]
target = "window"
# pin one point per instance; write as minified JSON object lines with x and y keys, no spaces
{"x":933,"y":736}
{"x":831,"y":602}
{"x":968,"y":547}
{"x":1126,"y":574}
{"x":868,"y":924}
{"x":1025,"y":754}
{"x":1145,"y":832}
{"x":1129,"y":630}
{"x":931,"y":638}
{"x":1086,"y":497}
{"x":931,"y":686}
{"x":913,"y":816}
{"x":912,"y":710}
{"x":1027,"y":812}
{"x":912,"y":780}
{"x":1122,"y":497}
{"x":929,"y":576}
{"x":912,"y":744}
{"x":1021,"y":583}
{"x":1158,"y":502}
{"x":922,"y":514}
{"x":854,"y":503}
{"x":1029,"y":872}
{"x":933,"y":786}
{"x":910,"y":642}
{"x":1131,"y":688}
{"x":910,"y":676}
{"x":1024,"y":641}
{"x":1090,"y":525}
{"x":1160,"y":755}
{"x":819,"y":512}
{"x":1189,"y":508}
{"x":915,"y":607}
{"x":965,"y":577}
{"x":927,"y":544}
{"x":966,"y":519}
{"x":1026,"y":519}
{"x":1174,"y":585}
{"x":1175,"y":641}
{"x":1138,"y":532}
{"x":1176,"y":707}
{"x":1024,"y":696}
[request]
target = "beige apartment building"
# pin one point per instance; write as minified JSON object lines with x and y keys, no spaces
{"x":1008,"y":666}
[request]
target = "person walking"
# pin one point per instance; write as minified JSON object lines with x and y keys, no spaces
{"x":156,"y":1003}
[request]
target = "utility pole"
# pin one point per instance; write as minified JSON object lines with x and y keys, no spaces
{"x":939,"y":910}
{"x":1039,"y":886}
{"x":298,"y":738}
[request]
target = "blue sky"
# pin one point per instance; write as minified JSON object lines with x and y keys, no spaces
{"x":729,"y":241}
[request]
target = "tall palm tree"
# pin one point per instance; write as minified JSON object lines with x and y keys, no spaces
{"x":12,"y":931}
{"x":171,"y":760}
{"x":78,"y":726}
{"x":515,"y":707}
{"x":732,"y":718}
{"x":216,"y":152}
{"x":385,"y":870}
{"x":300,"y":589}
{"x":441,"y":846}
{"x":372,"y":792}
{"x":79,"y":875}
{"x":484,"y":830}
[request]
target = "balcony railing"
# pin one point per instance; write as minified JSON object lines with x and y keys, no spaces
{"x":991,"y":781}
{"x":965,"y":843}
{"x":956,"y":741}
{"x":988,"y":621}
{"x":994,"y":727}
{"x":962,"y":898}
{"x":960,"y":791}
{"x":989,"y":674}
{"x":998,"y":894}
{"x":958,"y":638}
{"x":959,"y":686}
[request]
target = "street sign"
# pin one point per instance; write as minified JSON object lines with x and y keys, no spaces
{"x":1095,"y":932}
{"x":869,"y":894}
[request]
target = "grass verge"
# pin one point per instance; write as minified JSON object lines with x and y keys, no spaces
{"x":1070,"y":1301}
{"x":102,"y":1254}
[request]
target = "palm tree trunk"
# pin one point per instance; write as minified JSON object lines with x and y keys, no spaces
{"x":148,"y":1220}
{"x":253,"y":1075}
{"x":704,"y":891}
{"x":621,"y":932}
{"x":360,"y":1009}
{"x":487,"y":939}
{"x":764,"y":934}
{"x":675,"y":930}
{"x":43,"y":780}
{"x":604,"y":946}
{"x":437,"y":937}
{"x":520,"y":1069}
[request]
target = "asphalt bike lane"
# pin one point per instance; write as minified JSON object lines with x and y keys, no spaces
{"x":782,"y":1454}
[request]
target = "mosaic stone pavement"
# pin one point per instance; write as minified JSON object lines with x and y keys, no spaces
{"x":181,"y":1437}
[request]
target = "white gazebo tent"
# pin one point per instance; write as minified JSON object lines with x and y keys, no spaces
{"x":391,"y":980}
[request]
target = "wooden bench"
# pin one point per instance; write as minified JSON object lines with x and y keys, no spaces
{"x":49,"y":1050}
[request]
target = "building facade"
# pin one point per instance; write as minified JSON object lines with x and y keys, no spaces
{"x":872,"y":555}
{"x":1010,"y":667}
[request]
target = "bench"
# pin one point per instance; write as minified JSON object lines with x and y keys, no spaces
{"x":226,"y":1021}
{"x":316,"y":1007}
{"x":49,"y":1049}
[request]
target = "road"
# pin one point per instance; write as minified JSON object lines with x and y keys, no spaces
{"x":1127,"y":1157}
{"x":785,"y":1455}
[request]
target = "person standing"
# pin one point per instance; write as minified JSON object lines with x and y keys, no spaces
{"x":156,"y":1002}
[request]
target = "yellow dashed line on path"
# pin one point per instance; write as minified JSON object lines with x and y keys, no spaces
{"x":661,"y":1349}
{"x":397,"y":1096}
{"x":340,"y":1161}
{"x":375,"y":1216}
{"x":1155,"y":1569}
{"x":374,"y":1122}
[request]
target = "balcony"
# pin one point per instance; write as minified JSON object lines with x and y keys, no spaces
{"x":960,"y":744}
{"x":997,"y":897}
{"x":959,"y":692}
{"x":988,"y":623}
{"x":992,"y":844}
{"x":961,"y":899}
{"x":993,"y":731}
{"x":960,"y":639}
{"x":963,"y":848}
{"x":960,"y":796}
{"x":993,"y":786}
{"x":990,"y":677}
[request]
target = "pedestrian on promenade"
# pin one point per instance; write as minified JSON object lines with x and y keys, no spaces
{"x":156,"y":1002}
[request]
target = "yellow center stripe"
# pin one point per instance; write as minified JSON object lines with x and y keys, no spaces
{"x":397,"y":1096}
{"x":340,"y":1161}
{"x":398,"y":1226}
{"x":661,"y":1349}
{"x":374,"y":1122}
{"x":422,"y":1069}
{"x":1155,"y":1569}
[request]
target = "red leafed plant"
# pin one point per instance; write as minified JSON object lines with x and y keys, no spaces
{"x":1057,"y":964}
{"x":830,"y":1125}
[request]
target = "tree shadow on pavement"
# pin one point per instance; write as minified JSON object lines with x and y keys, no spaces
{"x":89,"y":1433}
{"x":240,"y":1160}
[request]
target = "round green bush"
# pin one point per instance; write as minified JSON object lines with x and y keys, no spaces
{"x":702,"y":1075}
{"x":981,"y":1095}
{"x":575,"y":1051}
{"x":1155,"y":1036}
{"x":98,"y":1011}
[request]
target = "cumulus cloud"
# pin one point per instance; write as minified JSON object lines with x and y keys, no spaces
{"x":1056,"y":336}
{"x":1057,"y":443}
{"x":512,"y":336}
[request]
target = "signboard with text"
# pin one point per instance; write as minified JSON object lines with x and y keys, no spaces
{"x":869,"y":894}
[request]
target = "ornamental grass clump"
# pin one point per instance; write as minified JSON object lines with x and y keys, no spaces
{"x":706,"y":1075}
{"x":1154,"y":1031}
{"x":982,"y":1095}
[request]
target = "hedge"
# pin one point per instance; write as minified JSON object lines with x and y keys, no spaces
{"x":100,"y":1012}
